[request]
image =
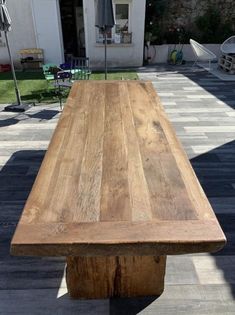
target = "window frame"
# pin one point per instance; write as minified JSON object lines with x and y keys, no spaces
{"x":128,"y":2}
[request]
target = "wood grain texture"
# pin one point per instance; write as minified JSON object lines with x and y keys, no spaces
{"x":194,"y":190}
{"x":114,"y":194}
{"x":115,"y":177}
{"x":120,"y":238}
{"x":113,"y":276}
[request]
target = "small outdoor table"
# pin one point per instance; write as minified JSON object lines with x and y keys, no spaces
{"x":115,"y":194}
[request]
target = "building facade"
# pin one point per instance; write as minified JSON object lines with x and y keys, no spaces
{"x":126,"y":40}
{"x":67,"y":27}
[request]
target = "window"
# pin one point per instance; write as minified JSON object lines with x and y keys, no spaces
{"x":122,"y":17}
{"x":120,"y":33}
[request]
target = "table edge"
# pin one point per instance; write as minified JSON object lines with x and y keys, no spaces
{"x":94,"y":239}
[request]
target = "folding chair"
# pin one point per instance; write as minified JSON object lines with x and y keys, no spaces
{"x":47,"y":71}
{"x":228,"y":46}
{"x":202,"y":53}
{"x":62,"y":80}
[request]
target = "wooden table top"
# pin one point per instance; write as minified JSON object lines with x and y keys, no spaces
{"x":115,"y":181}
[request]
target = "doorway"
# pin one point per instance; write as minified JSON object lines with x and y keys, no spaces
{"x":72,"y":21}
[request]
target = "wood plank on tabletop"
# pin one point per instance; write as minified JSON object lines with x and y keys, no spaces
{"x":69,"y":161}
{"x":167,"y":189}
{"x":115,"y":198}
{"x":192,"y":185}
{"x":35,"y":204}
{"x":138,"y":190}
{"x":86,"y":198}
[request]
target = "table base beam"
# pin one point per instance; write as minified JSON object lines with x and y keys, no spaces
{"x":115,"y":276}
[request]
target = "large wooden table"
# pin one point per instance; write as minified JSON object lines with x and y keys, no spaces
{"x":115,"y":194}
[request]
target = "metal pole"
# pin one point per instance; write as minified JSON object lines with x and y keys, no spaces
{"x":105,"y":54}
{"x":13,"y":72}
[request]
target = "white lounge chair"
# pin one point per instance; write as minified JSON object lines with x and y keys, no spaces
{"x":202,"y":53}
{"x":228,"y":46}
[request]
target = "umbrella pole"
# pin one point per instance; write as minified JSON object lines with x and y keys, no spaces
{"x":105,"y":54}
{"x":13,"y":72}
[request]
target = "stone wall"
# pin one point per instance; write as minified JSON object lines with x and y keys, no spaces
{"x":184,"y":12}
{"x":174,"y":21}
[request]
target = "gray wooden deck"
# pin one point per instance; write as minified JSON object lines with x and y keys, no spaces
{"x":201,"y":108}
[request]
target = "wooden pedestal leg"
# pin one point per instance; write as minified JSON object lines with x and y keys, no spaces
{"x":121,"y":276}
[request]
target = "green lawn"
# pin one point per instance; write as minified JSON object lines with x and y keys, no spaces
{"x":34,"y":88}
{"x":115,"y":75}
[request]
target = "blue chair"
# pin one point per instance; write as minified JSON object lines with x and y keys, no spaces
{"x":80,"y":68}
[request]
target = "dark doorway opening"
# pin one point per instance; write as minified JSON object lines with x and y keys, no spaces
{"x":73,"y":28}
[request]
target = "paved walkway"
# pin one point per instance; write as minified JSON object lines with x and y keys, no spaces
{"x":201,"y":108}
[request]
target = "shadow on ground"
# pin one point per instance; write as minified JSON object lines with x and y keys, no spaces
{"x":48,"y":96}
{"x":130,"y":306}
{"x":216,"y":173}
{"x":45,"y":114}
{"x":34,"y":282}
{"x":23,"y":277}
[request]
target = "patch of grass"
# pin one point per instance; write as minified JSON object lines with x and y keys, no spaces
{"x":115,"y":75}
{"x":36,"y":75}
{"x":34,"y":88}
{"x":32,"y":85}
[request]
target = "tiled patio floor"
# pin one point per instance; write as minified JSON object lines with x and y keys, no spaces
{"x":201,"y":108}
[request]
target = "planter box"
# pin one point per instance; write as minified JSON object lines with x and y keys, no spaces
{"x":160,"y":53}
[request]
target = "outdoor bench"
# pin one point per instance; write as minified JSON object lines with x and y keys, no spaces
{"x":115,"y":194}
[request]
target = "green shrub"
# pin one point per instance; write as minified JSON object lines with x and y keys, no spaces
{"x":177,"y":35}
{"x":156,"y":11}
{"x":207,"y":28}
{"x":211,"y":28}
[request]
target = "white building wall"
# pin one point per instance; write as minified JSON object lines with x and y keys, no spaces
{"x":118,"y":55}
{"x":47,"y":24}
{"x":35,"y":24}
{"x":160,"y":53}
{"x":22,"y":34}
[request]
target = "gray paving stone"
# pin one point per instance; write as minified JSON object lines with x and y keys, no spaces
{"x":180,"y":270}
{"x":45,"y":301}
